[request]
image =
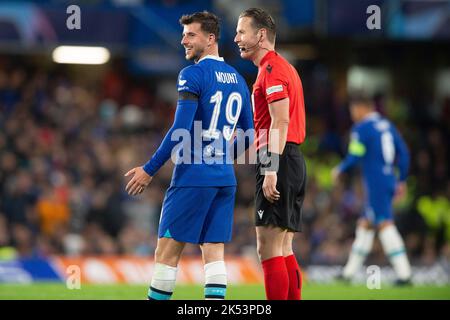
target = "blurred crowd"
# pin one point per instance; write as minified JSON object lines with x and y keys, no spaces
{"x":65,"y":145}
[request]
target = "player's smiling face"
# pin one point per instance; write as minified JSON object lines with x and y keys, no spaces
{"x":246,"y":38}
{"x":194,"y":41}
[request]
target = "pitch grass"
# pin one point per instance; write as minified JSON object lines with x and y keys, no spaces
{"x":335,"y":291}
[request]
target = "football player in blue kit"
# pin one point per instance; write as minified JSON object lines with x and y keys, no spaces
{"x":213,"y":99}
{"x":376,"y":144}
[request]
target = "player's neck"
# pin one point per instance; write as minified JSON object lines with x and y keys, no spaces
{"x":213,"y":51}
{"x":262,"y":53}
{"x":368,"y":115}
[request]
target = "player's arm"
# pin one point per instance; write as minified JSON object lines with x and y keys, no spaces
{"x":189,"y":89}
{"x":402,"y":162}
{"x":356,"y":151}
{"x":184,"y":117}
{"x":402,"y":156}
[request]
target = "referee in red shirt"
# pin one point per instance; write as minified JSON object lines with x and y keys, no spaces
{"x":279,"y":116}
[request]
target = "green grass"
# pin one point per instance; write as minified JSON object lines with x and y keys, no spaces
{"x":336,"y":291}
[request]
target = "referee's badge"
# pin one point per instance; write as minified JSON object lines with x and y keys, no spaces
{"x":273,"y":89}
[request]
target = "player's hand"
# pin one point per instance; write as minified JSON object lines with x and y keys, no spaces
{"x":400,"y":191}
{"x":139,"y":182}
{"x":270,"y":187}
{"x":335,"y":174}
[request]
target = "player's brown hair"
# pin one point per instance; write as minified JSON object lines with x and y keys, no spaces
{"x":209,"y":22}
{"x":261,"y":19}
{"x":361,"y":97}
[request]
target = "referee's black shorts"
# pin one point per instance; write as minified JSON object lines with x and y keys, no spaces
{"x":286,"y":212}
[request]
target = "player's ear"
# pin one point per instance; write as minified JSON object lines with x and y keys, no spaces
{"x":211,"y":39}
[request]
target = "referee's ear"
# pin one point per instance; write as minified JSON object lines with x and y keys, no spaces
{"x":263,"y":35}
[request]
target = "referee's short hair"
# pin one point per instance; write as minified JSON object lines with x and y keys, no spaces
{"x":261,"y":19}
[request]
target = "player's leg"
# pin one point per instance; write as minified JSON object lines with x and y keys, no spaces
{"x":215,"y":271}
{"x":390,"y":238}
{"x":394,"y":248}
{"x":362,"y":245}
{"x":217,"y":230}
{"x":269,"y":241}
{"x":182,"y":217}
{"x":167,"y":254}
{"x":293,"y":268}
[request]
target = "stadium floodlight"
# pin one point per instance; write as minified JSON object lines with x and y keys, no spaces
{"x":81,"y":55}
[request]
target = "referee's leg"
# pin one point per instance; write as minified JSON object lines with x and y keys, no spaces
{"x":293,"y":268}
{"x":270,"y":250}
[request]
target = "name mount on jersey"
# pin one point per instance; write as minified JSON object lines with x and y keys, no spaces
{"x":226,"y":77}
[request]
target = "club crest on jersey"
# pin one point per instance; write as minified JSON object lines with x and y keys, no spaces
{"x":181,"y":85}
{"x":269,"y":68}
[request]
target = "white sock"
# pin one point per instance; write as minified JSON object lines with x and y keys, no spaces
{"x":360,"y":249}
{"x":215,"y":280}
{"x":163,"y":282}
{"x":394,"y":248}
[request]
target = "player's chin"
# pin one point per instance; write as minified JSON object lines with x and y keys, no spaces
{"x":191,"y":57}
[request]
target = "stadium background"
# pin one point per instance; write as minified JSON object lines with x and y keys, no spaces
{"x":69,"y":132}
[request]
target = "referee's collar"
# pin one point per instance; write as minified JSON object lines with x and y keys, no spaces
{"x":209,"y":56}
{"x":268,"y":55}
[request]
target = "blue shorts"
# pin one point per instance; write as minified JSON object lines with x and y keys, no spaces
{"x":378,"y":208}
{"x":198,"y":214}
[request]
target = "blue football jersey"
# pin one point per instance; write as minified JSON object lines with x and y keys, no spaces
{"x":223,"y":105}
{"x":378,"y":146}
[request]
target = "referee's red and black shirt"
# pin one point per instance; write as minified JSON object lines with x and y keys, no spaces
{"x":277,"y":79}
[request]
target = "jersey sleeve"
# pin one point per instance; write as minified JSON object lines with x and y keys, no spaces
{"x":402,"y":155}
{"x":356,"y":149}
{"x":190,"y":80}
{"x":275,"y":83}
{"x":184,"y":117}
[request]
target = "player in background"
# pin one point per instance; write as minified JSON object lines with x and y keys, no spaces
{"x":279,"y":118}
{"x":198,"y":206}
{"x":376,"y":144}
